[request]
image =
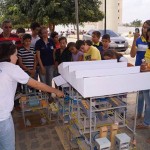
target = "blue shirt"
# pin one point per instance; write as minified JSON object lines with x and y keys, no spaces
{"x":141,"y":45}
{"x":46,"y":51}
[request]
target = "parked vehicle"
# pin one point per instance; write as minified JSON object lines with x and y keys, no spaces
{"x":118,"y":42}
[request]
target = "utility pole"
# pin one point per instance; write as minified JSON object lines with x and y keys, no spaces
{"x":77,"y":17}
{"x":105,"y":19}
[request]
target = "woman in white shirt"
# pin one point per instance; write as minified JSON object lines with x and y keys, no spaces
{"x":10,"y":75}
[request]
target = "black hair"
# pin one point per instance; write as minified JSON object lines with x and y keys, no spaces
{"x":97,"y":33}
{"x":79,"y":43}
{"x":34,"y":25}
{"x":88,"y":42}
{"x":20,"y":30}
{"x":63,"y":38}
{"x":112,"y":54}
{"x":53,"y":34}
{"x":5,"y":22}
{"x":26,"y":36}
{"x":71,"y":44}
{"x":106,"y":36}
{"x":6,"y":50}
{"x":147,"y":37}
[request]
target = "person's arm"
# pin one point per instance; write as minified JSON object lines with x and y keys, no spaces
{"x":34,"y":67}
{"x":80,"y":58}
{"x":45,"y":88}
{"x":40,"y":62}
{"x":22,"y":65}
{"x":35,"y":62}
{"x":134,"y":48}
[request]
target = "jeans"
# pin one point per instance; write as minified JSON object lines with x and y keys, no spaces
{"x":7,"y":134}
{"x":146,"y":94}
{"x":47,"y":78}
{"x":140,"y":103}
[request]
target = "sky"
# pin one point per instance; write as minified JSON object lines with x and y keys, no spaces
{"x":135,"y":9}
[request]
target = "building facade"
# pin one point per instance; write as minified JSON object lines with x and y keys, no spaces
{"x":113,"y":15}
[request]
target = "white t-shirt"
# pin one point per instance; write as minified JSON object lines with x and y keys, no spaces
{"x":33,"y":41}
{"x":10,"y":75}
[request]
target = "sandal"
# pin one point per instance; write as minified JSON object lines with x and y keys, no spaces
{"x":142,"y":126}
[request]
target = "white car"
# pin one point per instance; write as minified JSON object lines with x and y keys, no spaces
{"x":118,"y":42}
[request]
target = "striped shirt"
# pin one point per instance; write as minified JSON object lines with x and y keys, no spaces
{"x":12,"y":38}
{"x":27,"y":57}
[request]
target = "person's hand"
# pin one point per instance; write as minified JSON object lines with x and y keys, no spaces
{"x":43,"y":71}
{"x":32,"y":73}
{"x":136,"y":35}
{"x":59,"y":93}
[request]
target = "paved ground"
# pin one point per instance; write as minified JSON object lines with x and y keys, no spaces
{"x":46,"y":138}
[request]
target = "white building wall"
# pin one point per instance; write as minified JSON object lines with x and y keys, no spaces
{"x":113,"y":15}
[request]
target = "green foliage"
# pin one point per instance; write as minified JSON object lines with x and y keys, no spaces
{"x":51,"y":11}
{"x":136,"y":23}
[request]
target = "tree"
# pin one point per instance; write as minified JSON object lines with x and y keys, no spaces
{"x":54,"y":12}
{"x":136,"y":23}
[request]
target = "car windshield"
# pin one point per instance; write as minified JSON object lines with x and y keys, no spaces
{"x":111,"y":33}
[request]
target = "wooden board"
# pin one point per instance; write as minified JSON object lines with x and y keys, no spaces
{"x":62,"y":136}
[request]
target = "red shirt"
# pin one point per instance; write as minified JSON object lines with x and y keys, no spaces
{"x":12,"y":38}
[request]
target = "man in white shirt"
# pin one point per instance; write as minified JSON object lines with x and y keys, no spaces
{"x":35,"y":27}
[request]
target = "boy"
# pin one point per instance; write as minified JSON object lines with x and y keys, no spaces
{"x":27,"y":57}
{"x":96,"y":39}
{"x":90,"y":52}
{"x":10,"y":75}
{"x":105,"y":43}
{"x":62,"y":54}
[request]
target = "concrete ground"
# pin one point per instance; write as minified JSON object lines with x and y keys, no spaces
{"x":46,"y":138}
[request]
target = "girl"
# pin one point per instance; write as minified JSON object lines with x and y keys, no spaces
{"x":45,"y":55}
{"x":138,"y":49}
{"x":76,"y":54}
{"x":10,"y":74}
{"x":112,"y":54}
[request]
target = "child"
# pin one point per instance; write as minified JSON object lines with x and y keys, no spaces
{"x":20,"y":32}
{"x":27,"y":57}
{"x":62,"y":54}
{"x":112,"y":54}
{"x":10,"y":74}
{"x":105,"y":43}
{"x":90,"y":52}
{"x":55,"y":38}
{"x":96,"y":39}
{"x":76,"y":54}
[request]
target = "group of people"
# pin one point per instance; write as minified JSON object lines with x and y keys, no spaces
{"x":39,"y":54}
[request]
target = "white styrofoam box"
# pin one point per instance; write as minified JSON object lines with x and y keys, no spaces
{"x":65,"y":72}
{"x":123,"y":138}
{"x":103,"y":143}
{"x":108,"y":85}
{"x":122,"y":141}
{"x":97,"y":66}
{"x":105,"y":72}
{"x":77,"y":63}
{"x":93,"y":79}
